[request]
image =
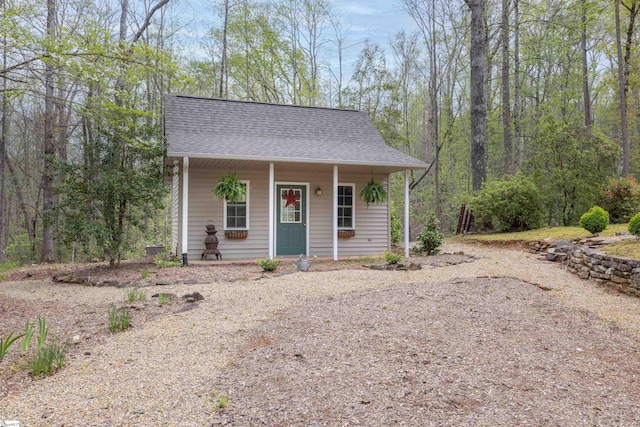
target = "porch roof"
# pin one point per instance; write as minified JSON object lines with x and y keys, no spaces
{"x":209,"y":128}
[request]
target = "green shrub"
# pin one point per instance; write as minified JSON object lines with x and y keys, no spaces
{"x":268,"y":264}
{"x":119,"y":319}
{"x":634,"y":225}
{"x":594,"y":220}
{"x":430,"y":239}
{"x":48,"y":357}
{"x":514,"y":204}
{"x":622,"y":199}
{"x":392,"y":257}
{"x":396,"y":224}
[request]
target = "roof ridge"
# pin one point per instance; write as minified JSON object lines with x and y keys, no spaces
{"x":261,"y":102}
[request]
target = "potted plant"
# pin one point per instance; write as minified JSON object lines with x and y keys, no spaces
{"x":373,"y":192}
{"x":230,"y":188}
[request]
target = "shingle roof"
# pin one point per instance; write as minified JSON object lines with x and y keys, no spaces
{"x":221,"y":128}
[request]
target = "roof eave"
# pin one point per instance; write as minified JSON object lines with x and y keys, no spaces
{"x":397,"y":165}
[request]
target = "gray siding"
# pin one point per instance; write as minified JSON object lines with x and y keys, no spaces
{"x":371,"y":224}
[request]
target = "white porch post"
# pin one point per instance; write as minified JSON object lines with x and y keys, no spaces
{"x":271,"y":210}
{"x":335,"y":213}
{"x":185,"y":210}
{"x":406,"y":213}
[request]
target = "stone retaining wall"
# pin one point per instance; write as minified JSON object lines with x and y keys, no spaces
{"x":622,"y":274}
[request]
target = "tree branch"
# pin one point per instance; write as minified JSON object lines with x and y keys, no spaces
{"x":147,"y":20}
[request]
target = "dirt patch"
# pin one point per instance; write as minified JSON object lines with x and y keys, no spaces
{"x":480,"y":352}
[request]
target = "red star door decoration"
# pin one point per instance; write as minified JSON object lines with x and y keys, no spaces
{"x":291,"y":198}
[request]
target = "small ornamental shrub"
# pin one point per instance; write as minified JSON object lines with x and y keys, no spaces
{"x":634,"y":225}
{"x":514,"y":204}
{"x":595,"y":220}
{"x":392,"y":257}
{"x":396,"y":224}
{"x":430,"y":239}
{"x":268,"y":264}
{"x":622,"y":199}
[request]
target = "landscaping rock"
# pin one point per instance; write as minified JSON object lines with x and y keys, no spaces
{"x":193,"y":297}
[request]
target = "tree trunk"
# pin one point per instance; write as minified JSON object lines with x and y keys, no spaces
{"x":478,"y":54}
{"x":48,"y":195}
{"x":506,"y":96}
{"x":518,"y":155}
{"x":223,"y":56}
{"x":585,"y":69}
{"x":4,"y":132}
{"x":623,"y":75}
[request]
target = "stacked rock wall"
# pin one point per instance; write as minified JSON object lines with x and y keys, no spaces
{"x":622,"y":274}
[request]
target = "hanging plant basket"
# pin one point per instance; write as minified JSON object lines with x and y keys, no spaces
{"x":373,"y":192}
{"x":229,"y":188}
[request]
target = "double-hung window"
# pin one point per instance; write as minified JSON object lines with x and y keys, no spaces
{"x":236,"y":214}
{"x":346,"y":211}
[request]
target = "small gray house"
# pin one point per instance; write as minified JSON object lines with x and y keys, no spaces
{"x":303,"y":168}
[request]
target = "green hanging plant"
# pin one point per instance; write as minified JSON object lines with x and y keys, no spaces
{"x":229,"y":188}
{"x":373,"y":192}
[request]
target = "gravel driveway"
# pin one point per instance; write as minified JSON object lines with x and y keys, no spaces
{"x":478,"y":343}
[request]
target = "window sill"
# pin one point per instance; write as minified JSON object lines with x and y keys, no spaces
{"x":236,"y":234}
{"x":346,"y":234}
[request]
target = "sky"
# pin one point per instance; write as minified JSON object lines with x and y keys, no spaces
{"x":376,"y":20}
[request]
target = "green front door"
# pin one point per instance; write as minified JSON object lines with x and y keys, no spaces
{"x":291,"y":232}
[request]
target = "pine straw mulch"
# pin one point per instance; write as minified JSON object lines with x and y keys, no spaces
{"x":480,"y":352}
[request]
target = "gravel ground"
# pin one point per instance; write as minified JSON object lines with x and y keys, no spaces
{"x":477,"y":343}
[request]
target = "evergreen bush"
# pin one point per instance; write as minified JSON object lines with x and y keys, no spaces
{"x":430,"y":239}
{"x":634,"y":225}
{"x":594,"y":220}
{"x":514,"y":204}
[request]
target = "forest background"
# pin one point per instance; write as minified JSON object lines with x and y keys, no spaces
{"x":551,"y":89}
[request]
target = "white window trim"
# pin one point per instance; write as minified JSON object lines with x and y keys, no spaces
{"x":353,"y":204}
{"x":224,"y":207}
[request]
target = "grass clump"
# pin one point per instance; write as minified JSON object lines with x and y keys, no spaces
{"x":6,"y":343}
{"x":43,"y":331}
{"x":268,"y":264}
{"x":134,"y":294}
{"x":392,"y":257}
{"x":48,"y":358}
{"x":164,"y":260}
{"x":119,"y":319}
{"x":28,"y":333}
{"x":164,"y":298}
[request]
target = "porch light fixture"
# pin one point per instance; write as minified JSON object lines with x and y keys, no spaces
{"x":318,"y":191}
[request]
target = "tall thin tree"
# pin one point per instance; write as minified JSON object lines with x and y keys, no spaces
{"x":478,"y":53}
{"x":48,"y":194}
